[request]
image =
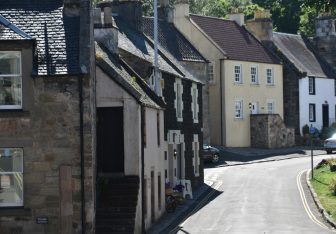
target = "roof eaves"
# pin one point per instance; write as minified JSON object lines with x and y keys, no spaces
{"x":117,"y":78}
{"x":144,"y":85}
{"x":14,"y":28}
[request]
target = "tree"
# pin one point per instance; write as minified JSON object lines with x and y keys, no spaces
{"x":285,"y":14}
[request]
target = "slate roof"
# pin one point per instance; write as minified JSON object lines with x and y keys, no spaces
{"x":172,"y":40}
{"x":142,"y":47}
{"x":297,"y":51}
{"x":113,"y":67}
{"x":234,"y":40}
{"x":9,"y":31}
{"x":57,"y":35}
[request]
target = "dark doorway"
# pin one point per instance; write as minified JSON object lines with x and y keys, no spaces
{"x":325,"y":115}
{"x":110,"y":140}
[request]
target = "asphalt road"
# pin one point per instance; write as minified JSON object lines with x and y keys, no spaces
{"x":258,"y":198}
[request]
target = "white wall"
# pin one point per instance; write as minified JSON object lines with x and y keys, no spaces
{"x":154,"y":161}
{"x":324,"y":91}
{"x":110,"y":94}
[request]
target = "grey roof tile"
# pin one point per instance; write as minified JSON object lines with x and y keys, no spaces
{"x":172,"y":40}
{"x":57,"y":35}
{"x":298,"y":53}
{"x":114,"y":68}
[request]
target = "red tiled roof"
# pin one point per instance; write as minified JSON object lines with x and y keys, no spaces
{"x":234,"y":40}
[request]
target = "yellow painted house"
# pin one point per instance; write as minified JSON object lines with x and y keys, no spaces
{"x":245,"y":78}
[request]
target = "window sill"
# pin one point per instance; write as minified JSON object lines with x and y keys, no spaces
{"x":255,"y":84}
{"x":5,"y":113}
{"x":6,"y":211}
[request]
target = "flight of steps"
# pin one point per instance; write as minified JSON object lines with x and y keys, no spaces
{"x":116,"y":205}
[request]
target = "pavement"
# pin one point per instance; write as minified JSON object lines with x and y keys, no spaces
{"x":229,"y":157}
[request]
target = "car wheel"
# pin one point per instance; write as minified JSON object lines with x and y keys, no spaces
{"x":215,"y":158}
{"x":329,"y":151}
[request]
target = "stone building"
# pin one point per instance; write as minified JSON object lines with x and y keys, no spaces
{"x":309,"y":82}
{"x":247,"y":78}
{"x":46,"y":114}
{"x":172,"y":160}
{"x":185,"y":53}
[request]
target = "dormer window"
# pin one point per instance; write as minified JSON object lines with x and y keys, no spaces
{"x":10,"y":80}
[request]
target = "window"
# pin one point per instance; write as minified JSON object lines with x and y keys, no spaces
{"x":196,"y":160}
{"x":335,"y":87}
{"x":178,"y":100}
{"x":254,"y":75}
{"x":269,"y":76}
{"x":312,"y":113}
{"x":194,"y":104}
{"x":238,"y":74}
{"x":211,"y":72}
{"x":10,"y":80}
{"x":311,"y":85}
{"x":11,"y":177}
{"x":270,"y":107}
{"x":158,"y":127}
{"x":239,"y":109}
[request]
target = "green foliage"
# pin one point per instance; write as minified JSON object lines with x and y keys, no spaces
{"x":332,"y":186}
{"x":322,"y":183}
{"x":305,"y":129}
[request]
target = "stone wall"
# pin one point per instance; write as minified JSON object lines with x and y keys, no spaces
{"x":269,"y":131}
{"x":49,"y":133}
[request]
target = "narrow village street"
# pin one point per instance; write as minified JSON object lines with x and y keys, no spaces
{"x":264,"y":197}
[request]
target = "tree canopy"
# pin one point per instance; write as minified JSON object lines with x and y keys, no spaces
{"x":290,"y":16}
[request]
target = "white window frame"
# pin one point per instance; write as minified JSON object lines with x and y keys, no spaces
{"x":270,"y":103}
{"x":196,"y":155}
{"x":211,"y":74}
{"x":239,"y":109}
{"x":18,"y":175}
{"x":311,"y":86}
{"x":269,"y":76}
{"x":178,"y":103}
{"x":254,"y":75}
{"x":312,"y":112}
{"x":19,"y":75}
{"x":238,"y":74}
{"x":194,"y":103}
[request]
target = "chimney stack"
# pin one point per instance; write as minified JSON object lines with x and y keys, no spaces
{"x":165,"y":11}
{"x":181,"y":10}
{"x":129,"y":11}
{"x":105,"y":30}
{"x":239,"y":18}
{"x":261,"y":26}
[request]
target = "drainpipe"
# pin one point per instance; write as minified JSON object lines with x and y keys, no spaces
{"x":221,"y":98}
{"x":81,"y":143}
{"x":142,"y":169}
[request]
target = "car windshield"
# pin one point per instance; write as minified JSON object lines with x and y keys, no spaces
{"x":334,"y":136}
{"x":206,"y":146}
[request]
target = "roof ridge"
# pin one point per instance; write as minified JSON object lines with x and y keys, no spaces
{"x":289,"y":34}
{"x":213,"y":17}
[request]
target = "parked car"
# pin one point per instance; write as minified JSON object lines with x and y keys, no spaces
{"x":210,"y":154}
{"x":330,"y":144}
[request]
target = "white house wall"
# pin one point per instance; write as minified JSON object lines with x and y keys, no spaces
{"x":154,"y":158}
{"x":110,"y":94}
{"x":324,"y":92}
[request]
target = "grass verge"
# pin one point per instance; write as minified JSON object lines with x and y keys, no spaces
{"x":321,"y":184}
